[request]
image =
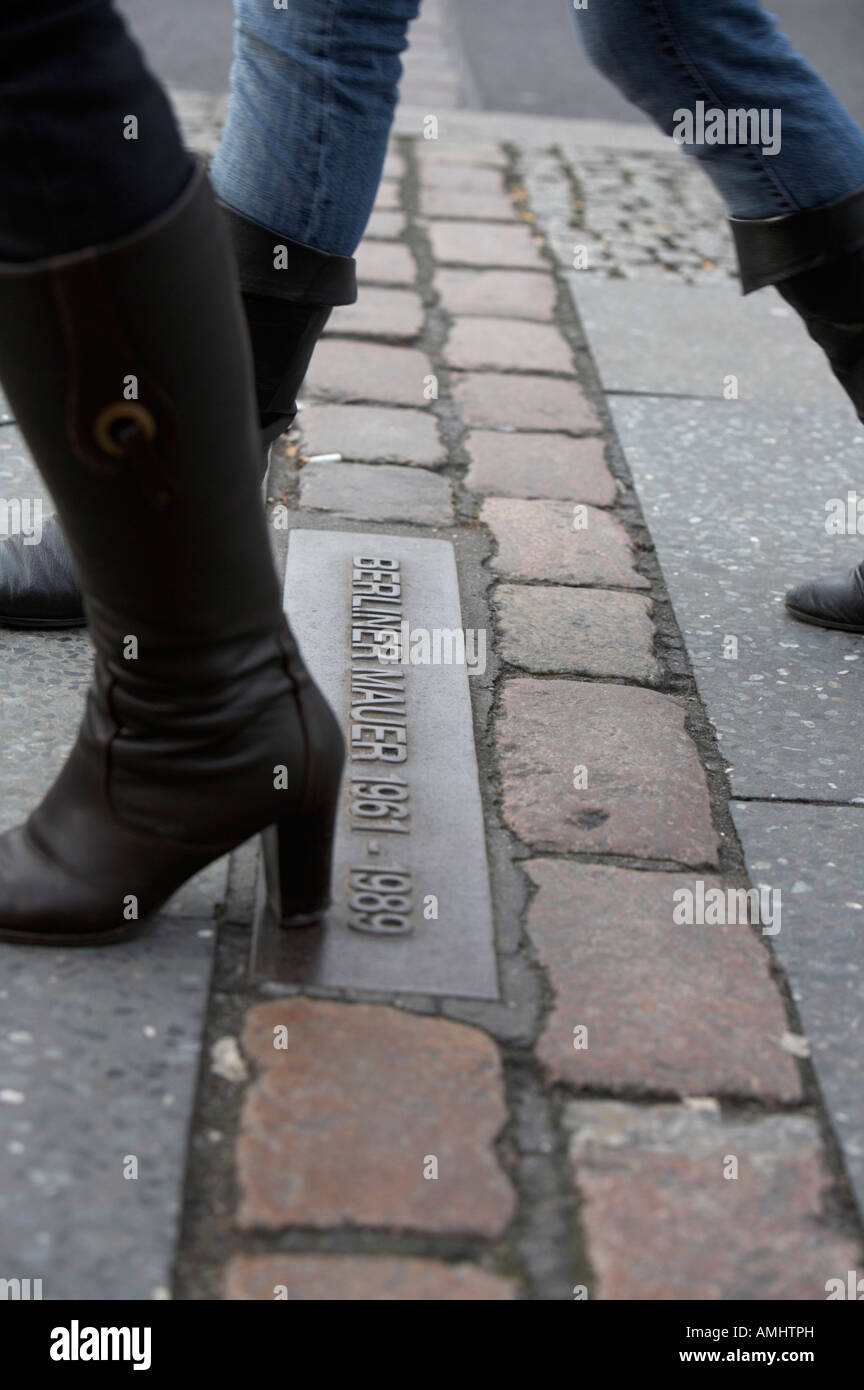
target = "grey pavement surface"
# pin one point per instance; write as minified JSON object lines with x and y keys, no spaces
{"x":19,"y":478}
{"x":715,"y":344}
{"x":522,"y":57}
{"x":99,"y":1048}
{"x":734,"y":495}
{"x":188,"y":45}
{"x":99,"y":1055}
{"x":813,"y":855}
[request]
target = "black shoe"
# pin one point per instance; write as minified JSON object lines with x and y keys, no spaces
{"x":837,"y":601}
{"x":38,"y":584}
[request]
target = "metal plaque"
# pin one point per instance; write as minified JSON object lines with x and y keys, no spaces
{"x":379,"y":624}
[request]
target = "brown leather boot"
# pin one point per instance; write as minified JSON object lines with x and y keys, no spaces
{"x":202,"y":724}
{"x":286,"y":310}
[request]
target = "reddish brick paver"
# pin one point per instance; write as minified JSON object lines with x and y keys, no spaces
{"x":385,"y":226}
{"x":663,"y":1222}
{"x":382,"y":264}
{"x":676,"y":1009}
{"x":537,"y":540}
{"x":340,"y":1126}
{"x":345,"y":370}
{"x":372,"y":433}
{"x":357,"y":1279}
{"x":448,"y":154}
{"x":521,"y":294}
{"x":593,"y":632}
{"x":500,"y":401}
{"x":377,"y":492}
{"x":509,"y":345}
{"x":388,"y":197}
{"x":460,"y":176}
{"x":646,"y":793}
{"x":441,"y":201}
{"x":484,"y":244}
{"x":394,"y":166}
{"x":539,"y":465}
{"x":380,"y":313}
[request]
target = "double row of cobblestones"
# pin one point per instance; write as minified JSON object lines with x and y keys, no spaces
{"x":578,"y":1136}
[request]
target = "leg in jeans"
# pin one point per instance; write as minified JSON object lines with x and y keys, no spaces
{"x":797,"y":215}
{"x":314,"y":86}
{"x":313,"y":91}
{"x":666,"y":55}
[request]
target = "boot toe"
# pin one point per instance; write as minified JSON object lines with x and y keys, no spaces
{"x":42,"y":904}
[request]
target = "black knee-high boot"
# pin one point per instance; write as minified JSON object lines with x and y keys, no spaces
{"x":816,"y":260}
{"x":288,"y":293}
{"x":202,"y":725}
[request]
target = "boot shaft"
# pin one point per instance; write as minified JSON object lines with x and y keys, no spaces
{"x":815,"y":258}
{"x":289,"y":291}
{"x":128,"y":370}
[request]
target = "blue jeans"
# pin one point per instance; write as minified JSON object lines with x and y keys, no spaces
{"x":313,"y":91}
{"x":314,"y":87}
{"x":668,"y":55}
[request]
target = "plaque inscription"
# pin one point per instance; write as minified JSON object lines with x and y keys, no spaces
{"x":412,"y":909}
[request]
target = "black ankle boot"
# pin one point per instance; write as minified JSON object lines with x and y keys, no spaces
{"x":288,"y":292}
{"x":816,"y":260}
{"x":202,"y":724}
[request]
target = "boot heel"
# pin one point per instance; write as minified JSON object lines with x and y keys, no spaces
{"x":298,"y":862}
